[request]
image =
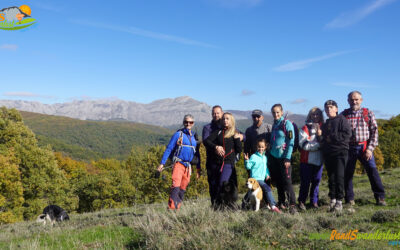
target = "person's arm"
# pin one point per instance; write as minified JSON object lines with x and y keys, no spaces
{"x":267,"y":174}
{"x":211,"y":139}
{"x":289,"y":140}
{"x":205,"y":133}
{"x":237,"y":144}
{"x":249,"y":163}
{"x":305,"y":144}
{"x":170,"y":147}
{"x":373,"y":132}
{"x":247,"y":142}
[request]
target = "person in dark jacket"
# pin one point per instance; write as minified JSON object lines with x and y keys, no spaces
{"x":335,"y":137}
{"x":212,"y":169}
{"x":226,"y":144}
{"x":183,"y":145}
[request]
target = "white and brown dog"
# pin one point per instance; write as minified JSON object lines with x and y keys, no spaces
{"x":255,"y":193}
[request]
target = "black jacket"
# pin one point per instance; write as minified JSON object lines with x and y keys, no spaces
{"x":232,"y":147}
{"x":336,"y":133}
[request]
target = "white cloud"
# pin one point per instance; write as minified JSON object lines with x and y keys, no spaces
{"x":353,"y":85}
{"x":352,"y":17}
{"x":246,"y":92}
{"x":302,"y":64}
{"x":26,"y":94}
{"x":11,"y":47}
{"x":299,"y":101}
{"x":145,"y":33}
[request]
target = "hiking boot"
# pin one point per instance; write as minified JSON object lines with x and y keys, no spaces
{"x":302,"y":207}
{"x":381,"y":202}
{"x":292,"y":209}
{"x":338,"y":206}
{"x":282,"y":206}
{"x":315,"y":205}
{"x":351,"y":202}
{"x":332,"y":205}
{"x":276,"y":210}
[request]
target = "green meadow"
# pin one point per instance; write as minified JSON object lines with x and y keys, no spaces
{"x":197,"y":226}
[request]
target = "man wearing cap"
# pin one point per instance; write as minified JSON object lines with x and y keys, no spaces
{"x":334,"y":136}
{"x":259,"y":130}
{"x":362,"y":144}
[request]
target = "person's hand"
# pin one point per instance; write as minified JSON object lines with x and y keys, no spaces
{"x":319,"y":131}
{"x":220,"y":151}
{"x":287,"y":164}
{"x":246,"y":156}
{"x":160,"y":167}
{"x":368,"y":154}
{"x":267,"y":178}
{"x":198,"y":174}
{"x":238,"y":135}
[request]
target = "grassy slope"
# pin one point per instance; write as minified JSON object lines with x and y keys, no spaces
{"x":197,"y":226}
{"x":88,"y":140}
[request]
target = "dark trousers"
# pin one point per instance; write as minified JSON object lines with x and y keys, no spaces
{"x":309,"y":174}
{"x":216,"y":178}
{"x":356,"y":153}
{"x":213,"y":177}
{"x":283,"y":178}
{"x":335,"y":164}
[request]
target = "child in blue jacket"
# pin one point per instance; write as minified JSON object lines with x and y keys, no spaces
{"x":257,"y":164}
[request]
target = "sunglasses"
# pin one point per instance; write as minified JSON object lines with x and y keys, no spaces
{"x":256,"y":116}
{"x":188,"y":122}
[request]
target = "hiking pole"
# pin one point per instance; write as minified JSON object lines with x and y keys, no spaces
{"x":158,"y":173}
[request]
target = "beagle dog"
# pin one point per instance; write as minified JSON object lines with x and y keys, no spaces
{"x":255,"y":193}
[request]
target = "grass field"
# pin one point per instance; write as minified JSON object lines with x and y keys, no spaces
{"x":197,"y":226}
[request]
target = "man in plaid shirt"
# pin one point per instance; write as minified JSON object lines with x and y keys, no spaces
{"x":362,"y":145}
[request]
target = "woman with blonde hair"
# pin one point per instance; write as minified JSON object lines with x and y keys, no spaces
{"x":227,"y":144}
{"x":311,"y":159}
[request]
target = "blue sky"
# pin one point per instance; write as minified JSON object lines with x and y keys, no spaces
{"x":241,"y":54}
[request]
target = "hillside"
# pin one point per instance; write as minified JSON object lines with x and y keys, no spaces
{"x":87,"y":140}
{"x":197,"y":226}
{"x":161,"y":112}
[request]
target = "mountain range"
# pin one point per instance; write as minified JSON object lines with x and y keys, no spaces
{"x":164,"y":112}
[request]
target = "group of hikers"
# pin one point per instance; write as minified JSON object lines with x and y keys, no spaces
{"x":337,"y":142}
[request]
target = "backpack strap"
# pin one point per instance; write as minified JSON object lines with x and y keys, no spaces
{"x":365,"y":115}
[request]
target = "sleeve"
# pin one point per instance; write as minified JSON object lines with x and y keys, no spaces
{"x":289,"y":141}
{"x":170,"y":148}
{"x":197,"y":154}
{"x":210,"y":141}
{"x":205,"y":133}
{"x":249,"y":163}
{"x":268,"y":133}
{"x":238,"y":145}
{"x":266,"y":168}
{"x":247,"y":141}
{"x":305,"y":144}
{"x":373,"y":132}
